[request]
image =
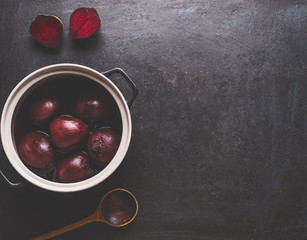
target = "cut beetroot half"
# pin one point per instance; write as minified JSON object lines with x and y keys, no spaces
{"x":47,"y":30}
{"x":84,"y":22}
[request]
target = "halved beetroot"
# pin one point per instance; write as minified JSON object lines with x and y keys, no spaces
{"x":84,"y":22}
{"x":47,"y":30}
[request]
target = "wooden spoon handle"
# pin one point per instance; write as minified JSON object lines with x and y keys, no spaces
{"x":89,"y":219}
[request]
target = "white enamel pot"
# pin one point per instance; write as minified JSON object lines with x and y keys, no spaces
{"x":39,"y":77}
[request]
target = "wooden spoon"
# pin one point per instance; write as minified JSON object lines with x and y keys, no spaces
{"x":117,"y":208}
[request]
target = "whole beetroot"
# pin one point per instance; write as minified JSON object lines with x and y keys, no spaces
{"x":94,"y":106}
{"x":43,"y":109}
{"x":68,"y":133}
{"x":102,"y":145}
{"x":35,"y":150}
{"x":74,"y":168}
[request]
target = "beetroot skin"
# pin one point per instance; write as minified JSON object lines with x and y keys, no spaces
{"x":47,"y":30}
{"x":36,"y":150}
{"x":102,"y":145}
{"x":94,"y":106}
{"x":68,"y":133}
{"x":43,"y":109}
{"x":84,"y":22}
{"x":74,"y":168}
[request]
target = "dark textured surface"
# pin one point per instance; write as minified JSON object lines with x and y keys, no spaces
{"x":218,"y":150}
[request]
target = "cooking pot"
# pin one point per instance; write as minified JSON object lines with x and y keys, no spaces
{"x":37,"y":78}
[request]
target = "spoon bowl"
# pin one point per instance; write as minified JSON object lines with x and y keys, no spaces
{"x":117,"y":208}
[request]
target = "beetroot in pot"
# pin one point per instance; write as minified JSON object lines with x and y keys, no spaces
{"x":43,"y":109}
{"x":68,"y":133}
{"x":94,"y":106}
{"x":74,"y":168}
{"x":36,"y":150}
{"x":102,"y":145}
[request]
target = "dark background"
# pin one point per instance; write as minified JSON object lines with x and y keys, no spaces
{"x":218,"y":150}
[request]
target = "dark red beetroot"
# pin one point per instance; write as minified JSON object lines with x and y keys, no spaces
{"x":84,"y":22}
{"x":102,"y":145}
{"x":36,"y":150}
{"x":43,"y":109}
{"x":68,"y":133}
{"x":74,"y":168}
{"x":94,"y":106}
{"x":47,"y":30}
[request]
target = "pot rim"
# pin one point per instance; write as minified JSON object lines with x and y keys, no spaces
{"x":23,"y":87}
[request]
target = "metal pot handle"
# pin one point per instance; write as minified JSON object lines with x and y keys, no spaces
{"x":12,"y":184}
{"x":128,"y":79}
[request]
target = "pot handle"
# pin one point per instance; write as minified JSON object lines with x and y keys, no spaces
{"x":128,"y":79}
{"x":11,"y":183}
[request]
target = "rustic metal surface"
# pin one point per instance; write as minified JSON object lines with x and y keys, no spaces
{"x":218,"y":150}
